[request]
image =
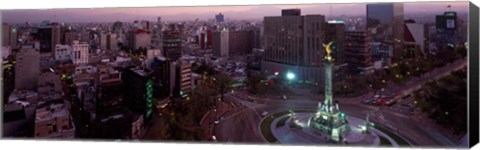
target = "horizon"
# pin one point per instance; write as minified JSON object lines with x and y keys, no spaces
{"x":182,"y":13}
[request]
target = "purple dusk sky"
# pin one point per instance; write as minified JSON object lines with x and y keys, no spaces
{"x":189,"y":13}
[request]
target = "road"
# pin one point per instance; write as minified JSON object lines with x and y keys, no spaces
{"x":241,"y":125}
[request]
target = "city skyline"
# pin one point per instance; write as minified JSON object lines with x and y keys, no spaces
{"x":203,"y":13}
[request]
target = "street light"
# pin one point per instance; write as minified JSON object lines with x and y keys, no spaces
{"x":290,"y":76}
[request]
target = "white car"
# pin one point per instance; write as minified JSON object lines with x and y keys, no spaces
{"x":264,"y":113}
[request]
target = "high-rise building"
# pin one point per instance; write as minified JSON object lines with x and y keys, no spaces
{"x":80,"y":53}
{"x":139,"y":100}
{"x":385,"y":22}
{"x":228,"y":43}
{"x":219,"y":17}
{"x":140,"y":39}
{"x":335,"y":31}
{"x":293,"y":43}
{"x":161,"y":80}
{"x":183,"y":85}
{"x":146,"y":25}
{"x":358,"y":51}
{"x":446,"y":26}
{"x":27,"y":68}
{"x":172,"y":44}
{"x":48,"y":36}
{"x":108,"y":41}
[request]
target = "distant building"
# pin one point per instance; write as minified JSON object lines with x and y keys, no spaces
{"x":446,"y":26}
{"x":172,"y":44}
{"x":381,"y":51}
{"x":358,"y":51}
{"x":53,"y":120}
{"x":219,"y":17}
{"x":228,"y":43}
{"x":80,"y":53}
{"x":146,"y":25}
{"x":416,"y":38}
{"x":27,"y":69}
{"x":140,"y":39}
{"x":48,"y":36}
{"x":293,"y":43}
{"x":385,"y":23}
{"x":71,"y":36}
{"x":63,"y":53}
{"x":108,"y":41}
{"x":139,"y":100}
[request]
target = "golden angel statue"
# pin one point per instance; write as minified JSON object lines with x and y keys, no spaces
{"x":328,"y":51}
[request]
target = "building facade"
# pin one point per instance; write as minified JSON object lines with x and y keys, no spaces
{"x":294,"y":43}
{"x":63,"y":53}
{"x":358,"y":51}
{"x":80,"y":53}
{"x":385,"y":23}
{"x":27,"y":68}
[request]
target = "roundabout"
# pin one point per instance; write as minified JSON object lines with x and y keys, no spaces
{"x":285,"y":128}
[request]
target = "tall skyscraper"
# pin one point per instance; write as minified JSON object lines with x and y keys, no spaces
{"x":48,"y":36}
{"x":219,"y":17}
{"x":220,"y":43}
{"x":358,"y":51}
{"x":139,"y":100}
{"x":293,"y":43}
{"x":172,"y":43}
{"x":385,"y":22}
{"x":27,"y":68}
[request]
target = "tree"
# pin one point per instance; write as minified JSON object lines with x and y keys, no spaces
{"x":222,"y":84}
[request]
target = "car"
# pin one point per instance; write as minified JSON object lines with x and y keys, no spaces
{"x":217,"y":121}
{"x":264,"y":113}
{"x":367,"y":101}
{"x":284,"y":97}
{"x":379,"y":102}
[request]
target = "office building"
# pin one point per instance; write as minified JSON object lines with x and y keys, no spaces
{"x":219,"y":17}
{"x":446,"y":26}
{"x":227,"y":43}
{"x":27,"y":68}
{"x":385,"y":22}
{"x":80,"y":53}
{"x":48,"y":36}
{"x":293,"y":43}
{"x":161,"y":80}
{"x":139,"y":100}
{"x":183,"y":85}
{"x":108,"y":41}
{"x":172,"y":43}
{"x":140,"y":39}
{"x":358,"y":51}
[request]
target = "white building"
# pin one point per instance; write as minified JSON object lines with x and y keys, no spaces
{"x":53,"y":120}
{"x":63,"y":53}
{"x":80,"y":53}
{"x":415,"y":36}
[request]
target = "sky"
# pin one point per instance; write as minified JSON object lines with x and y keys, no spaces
{"x":204,"y":12}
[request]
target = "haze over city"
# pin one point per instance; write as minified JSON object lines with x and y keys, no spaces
{"x":191,"y":13}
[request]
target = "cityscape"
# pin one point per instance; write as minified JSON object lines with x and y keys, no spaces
{"x":378,"y":74}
